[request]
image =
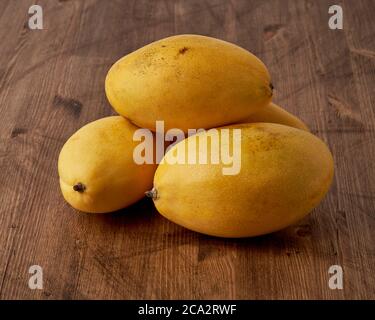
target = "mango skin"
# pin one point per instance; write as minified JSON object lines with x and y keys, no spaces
{"x":273,"y":113}
{"x":188,"y":81}
{"x":100,"y":156}
{"x":285,"y":173}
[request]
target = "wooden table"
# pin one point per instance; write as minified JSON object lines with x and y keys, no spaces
{"x":52,"y":83}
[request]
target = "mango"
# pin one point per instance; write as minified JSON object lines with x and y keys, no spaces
{"x":285,"y":173}
{"x":273,"y":113}
{"x":96,"y":167}
{"x":188,"y":81}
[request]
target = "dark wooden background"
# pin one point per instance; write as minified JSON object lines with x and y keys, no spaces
{"x":52,"y":83}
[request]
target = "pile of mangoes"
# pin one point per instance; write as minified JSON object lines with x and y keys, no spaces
{"x":197,"y":82}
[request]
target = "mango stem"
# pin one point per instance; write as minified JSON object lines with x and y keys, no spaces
{"x":153,"y":193}
{"x":79,"y":187}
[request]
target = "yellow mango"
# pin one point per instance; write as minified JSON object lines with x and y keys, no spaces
{"x":272,"y":113}
{"x":96,"y":167}
{"x":188,"y":81}
{"x":285,"y":173}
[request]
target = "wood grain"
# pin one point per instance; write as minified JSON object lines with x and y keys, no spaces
{"x":52,"y":83}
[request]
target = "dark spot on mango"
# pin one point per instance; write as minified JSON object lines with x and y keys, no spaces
{"x":183,"y":50}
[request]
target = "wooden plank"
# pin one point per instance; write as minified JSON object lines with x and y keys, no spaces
{"x":52,"y":83}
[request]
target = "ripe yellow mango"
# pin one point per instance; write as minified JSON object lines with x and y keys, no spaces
{"x":285,"y":173}
{"x":272,"y":113}
{"x":188,"y":81}
{"x":96,"y":167}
